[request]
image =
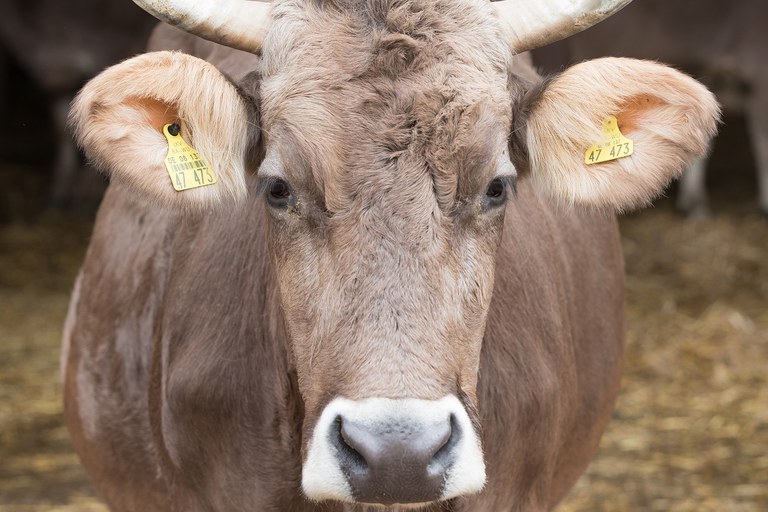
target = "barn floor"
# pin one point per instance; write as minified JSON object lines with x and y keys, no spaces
{"x":691,"y":429}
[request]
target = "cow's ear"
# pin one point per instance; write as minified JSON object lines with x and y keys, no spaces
{"x":669,"y":117}
{"x":119,"y":119}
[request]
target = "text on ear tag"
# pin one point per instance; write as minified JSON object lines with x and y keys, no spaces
{"x":186,"y":167}
{"x":613,"y":144}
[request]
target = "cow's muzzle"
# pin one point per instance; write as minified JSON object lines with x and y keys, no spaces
{"x":386,"y":452}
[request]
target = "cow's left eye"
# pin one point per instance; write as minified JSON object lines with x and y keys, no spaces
{"x":496,"y":193}
{"x":278,"y":193}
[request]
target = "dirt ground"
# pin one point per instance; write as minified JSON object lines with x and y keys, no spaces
{"x":691,"y":429}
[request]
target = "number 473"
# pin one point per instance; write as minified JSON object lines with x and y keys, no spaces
{"x":619,"y":150}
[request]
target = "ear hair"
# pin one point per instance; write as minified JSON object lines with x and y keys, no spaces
{"x":119,"y":115}
{"x":521,"y":109}
{"x":249,"y":88}
{"x":670,"y":117}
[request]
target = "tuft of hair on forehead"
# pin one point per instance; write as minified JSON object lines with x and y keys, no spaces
{"x":363,"y":84}
{"x":353,"y":32}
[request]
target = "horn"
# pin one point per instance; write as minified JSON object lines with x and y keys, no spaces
{"x":535,"y":23}
{"x":235,"y":23}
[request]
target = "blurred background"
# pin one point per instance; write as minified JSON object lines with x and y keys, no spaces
{"x":690,"y":432}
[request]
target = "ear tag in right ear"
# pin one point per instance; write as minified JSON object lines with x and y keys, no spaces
{"x":186,"y":167}
{"x":613,"y":144}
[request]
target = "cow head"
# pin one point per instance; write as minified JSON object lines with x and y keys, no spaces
{"x":390,"y":136}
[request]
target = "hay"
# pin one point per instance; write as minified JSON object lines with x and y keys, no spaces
{"x":39,"y":256}
{"x":691,"y":429}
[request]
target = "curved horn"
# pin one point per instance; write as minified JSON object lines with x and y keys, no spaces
{"x":536,"y":23}
{"x":235,"y":23}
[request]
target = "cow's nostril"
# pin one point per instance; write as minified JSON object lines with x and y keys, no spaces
{"x":396,"y":462}
{"x":350,"y":458}
{"x":444,"y":455}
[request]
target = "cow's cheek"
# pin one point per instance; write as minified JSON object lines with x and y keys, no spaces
{"x":296,"y":265}
{"x":475,"y":263}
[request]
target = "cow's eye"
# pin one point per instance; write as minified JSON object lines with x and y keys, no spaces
{"x":278,"y":193}
{"x":496,"y":193}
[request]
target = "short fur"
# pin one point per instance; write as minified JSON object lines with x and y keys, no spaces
{"x":204,"y":348}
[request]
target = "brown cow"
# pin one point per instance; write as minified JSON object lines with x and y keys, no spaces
{"x":405,"y":289}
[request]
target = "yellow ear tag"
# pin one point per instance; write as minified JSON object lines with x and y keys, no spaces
{"x":613,"y":145}
{"x":186,"y":167}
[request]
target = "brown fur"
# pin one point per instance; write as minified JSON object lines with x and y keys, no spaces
{"x":214,"y":341}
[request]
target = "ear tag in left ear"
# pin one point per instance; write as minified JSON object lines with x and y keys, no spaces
{"x":612,"y":144}
{"x":186,"y":167}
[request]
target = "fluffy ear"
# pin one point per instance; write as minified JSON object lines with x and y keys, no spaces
{"x":119,"y":116}
{"x":669,"y":116}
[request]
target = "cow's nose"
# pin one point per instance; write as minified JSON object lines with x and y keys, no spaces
{"x":398,"y":462}
{"x":385,"y":451}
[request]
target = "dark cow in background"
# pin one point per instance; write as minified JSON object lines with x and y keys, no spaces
{"x":61,"y":44}
{"x":725,"y":44}
{"x":404,"y":289}
{"x":3,"y":82}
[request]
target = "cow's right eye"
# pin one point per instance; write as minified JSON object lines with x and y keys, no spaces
{"x":279,"y":194}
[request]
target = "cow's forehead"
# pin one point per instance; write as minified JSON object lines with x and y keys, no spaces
{"x":372,"y":84}
{"x":359,"y":36}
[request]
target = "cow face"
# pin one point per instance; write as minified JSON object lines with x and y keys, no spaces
{"x":385,"y":179}
{"x":386,"y":135}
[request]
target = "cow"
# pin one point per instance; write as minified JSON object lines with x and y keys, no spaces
{"x":724,"y":45}
{"x":61,"y":45}
{"x":399,"y":284}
